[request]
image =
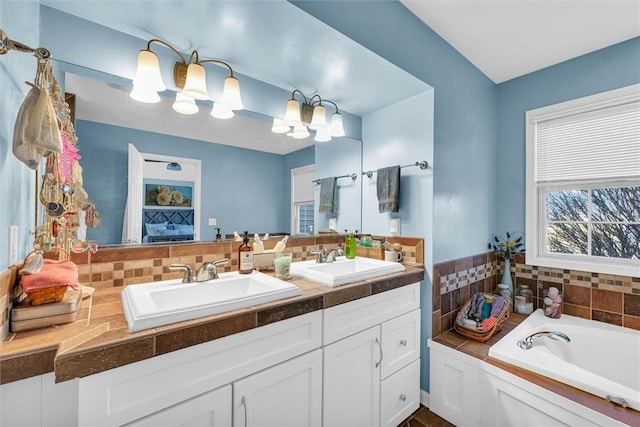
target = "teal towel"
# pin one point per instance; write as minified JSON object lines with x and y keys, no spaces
{"x":327,"y":195}
{"x":388,"y":189}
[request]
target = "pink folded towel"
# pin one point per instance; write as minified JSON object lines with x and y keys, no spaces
{"x":53,"y":273}
{"x":488,"y":323}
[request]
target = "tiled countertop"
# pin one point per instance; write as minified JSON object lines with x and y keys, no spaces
{"x":481,"y":351}
{"x":99,"y":340}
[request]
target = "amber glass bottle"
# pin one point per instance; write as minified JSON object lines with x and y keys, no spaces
{"x":245,"y":256}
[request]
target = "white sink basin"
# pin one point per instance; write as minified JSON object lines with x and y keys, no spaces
{"x":343,"y":270}
{"x":149,"y":305}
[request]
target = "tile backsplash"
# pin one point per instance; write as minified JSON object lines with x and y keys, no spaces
{"x":603,"y":297}
{"x":118,"y":266}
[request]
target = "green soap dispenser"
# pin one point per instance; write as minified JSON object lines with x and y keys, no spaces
{"x":350,"y":245}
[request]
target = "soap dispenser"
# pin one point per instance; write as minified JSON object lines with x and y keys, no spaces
{"x":350,"y":245}
{"x":258,"y":246}
{"x":245,"y":256}
{"x":281,"y":245}
{"x":218,"y":235}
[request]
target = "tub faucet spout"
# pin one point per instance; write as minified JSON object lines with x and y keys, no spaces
{"x":526,"y":343}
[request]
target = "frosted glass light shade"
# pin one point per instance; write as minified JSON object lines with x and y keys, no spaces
{"x":279,"y":126}
{"x":185,"y":104}
{"x":144,"y":95}
{"x":148,"y":71}
{"x":148,"y":80}
{"x":221,"y":111}
{"x":318,"y":120}
{"x":322,"y":135}
{"x":292,"y":113}
{"x":336,"y":128}
{"x":196,"y":84}
{"x":300,"y":132}
{"x":231,"y":94}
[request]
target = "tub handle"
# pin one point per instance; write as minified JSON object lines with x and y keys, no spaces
{"x":617,"y":399}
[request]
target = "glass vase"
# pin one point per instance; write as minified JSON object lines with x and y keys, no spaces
{"x":506,"y":275}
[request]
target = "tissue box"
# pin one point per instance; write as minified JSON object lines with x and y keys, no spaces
{"x":264,"y":260}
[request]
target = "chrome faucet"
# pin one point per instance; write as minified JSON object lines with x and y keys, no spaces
{"x":526,"y":343}
{"x":188,"y":271}
{"x":333,"y":253}
{"x":209,"y":270}
{"x":329,"y":257}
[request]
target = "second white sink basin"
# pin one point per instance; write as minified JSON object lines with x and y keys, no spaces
{"x":153,"y":304}
{"x":343,"y":271}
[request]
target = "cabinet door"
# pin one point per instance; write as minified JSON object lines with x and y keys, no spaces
{"x":209,"y":409}
{"x":454,"y":390}
{"x":351,"y":393}
{"x":289,"y":394}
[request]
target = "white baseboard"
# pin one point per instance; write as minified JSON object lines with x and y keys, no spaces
{"x":424,"y":398}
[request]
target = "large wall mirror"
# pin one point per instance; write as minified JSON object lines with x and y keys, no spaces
{"x":246,"y":169}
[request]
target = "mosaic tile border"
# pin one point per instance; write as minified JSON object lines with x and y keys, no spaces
{"x":459,"y":279}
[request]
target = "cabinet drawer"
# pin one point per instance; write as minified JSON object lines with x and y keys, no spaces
{"x":350,"y":318}
{"x":400,"y":342}
{"x":400,"y":395}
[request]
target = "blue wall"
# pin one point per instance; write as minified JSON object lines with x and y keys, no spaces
{"x":465,"y":129}
{"x":410,"y":139}
{"x":20,"y":21}
{"x":454,"y":209}
{"x":606,"y":69}
{"x":340,"y":156}
{"x":243,"y":189}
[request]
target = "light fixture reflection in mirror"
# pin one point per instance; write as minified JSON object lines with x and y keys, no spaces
{"x":312,"y":114}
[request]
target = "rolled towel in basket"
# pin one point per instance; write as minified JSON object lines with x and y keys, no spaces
{"x":53,"y":273}
{"x":498,"y":305}
{"x":475,"y":308}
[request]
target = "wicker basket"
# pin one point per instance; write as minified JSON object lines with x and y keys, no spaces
{"x":476,"y":334}
{"x":47,"y":295}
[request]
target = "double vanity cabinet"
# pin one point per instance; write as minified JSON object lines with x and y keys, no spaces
{"x":353,"y":364}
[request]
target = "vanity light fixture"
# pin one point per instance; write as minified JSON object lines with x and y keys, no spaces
{"x":190,"y":77}
{"x":311,"y":114}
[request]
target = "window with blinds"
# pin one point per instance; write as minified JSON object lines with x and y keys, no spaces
{"x":302,"y":199}
{"x":583,"y":183}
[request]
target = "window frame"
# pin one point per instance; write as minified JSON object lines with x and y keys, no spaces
{"x":535,"y":194}
{"x":296,"y":174}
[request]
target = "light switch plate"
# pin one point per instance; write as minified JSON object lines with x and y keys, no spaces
{"x":394,"y":225}
{"x":333,"y":224}
{"x":13,"y":244}
{"x":212,"y":221}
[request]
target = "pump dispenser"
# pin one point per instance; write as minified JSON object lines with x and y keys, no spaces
{"x":218,"y":235}
{"x":258,"y":246}
{"x":245,"y":256}
{"x":350,"y":245}
{"x":281,"y":245}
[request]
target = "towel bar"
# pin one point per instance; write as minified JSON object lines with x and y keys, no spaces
{"x":423,"y":165}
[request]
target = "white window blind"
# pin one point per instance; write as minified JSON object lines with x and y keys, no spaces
{"x":602,"y":144}
{"x":303,"y":185}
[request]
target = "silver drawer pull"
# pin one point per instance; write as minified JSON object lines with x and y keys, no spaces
{"x":403,"y":343}
{"x":403,"y":397}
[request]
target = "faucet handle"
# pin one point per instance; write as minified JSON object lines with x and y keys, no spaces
{"x":188,"y":271}
{"x":221,"y":261}
{"x":320,"y":253}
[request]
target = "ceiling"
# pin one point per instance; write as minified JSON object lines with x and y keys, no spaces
{"x":509,"y":38}
{"x":503,"y":38}
{"x":272,"y":41}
